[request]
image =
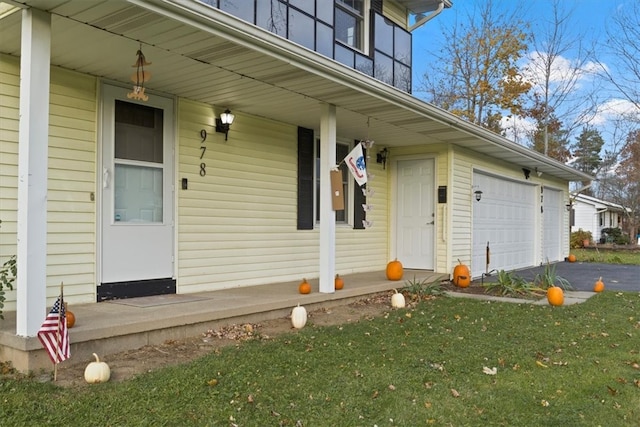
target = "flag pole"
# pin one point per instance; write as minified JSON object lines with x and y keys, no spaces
{"x":58,"y":337}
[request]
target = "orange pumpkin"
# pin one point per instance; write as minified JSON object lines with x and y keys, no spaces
{"x":571,"y":258}
{"x":338,"y":282}
{"x":71,"y":318}
{"x":555,"y":296}
{"x":599,"y":285}
{"x":461,"y":275}
{"x":394,"y":270}
{"x":304,"y":287}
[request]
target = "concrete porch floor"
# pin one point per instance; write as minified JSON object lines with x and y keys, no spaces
{"x":113,"y":326}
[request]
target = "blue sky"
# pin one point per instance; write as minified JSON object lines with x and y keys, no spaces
{"x":589,"y":20}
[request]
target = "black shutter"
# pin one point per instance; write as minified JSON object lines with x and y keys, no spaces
{"x":305,"y":179}
{"x":359,"y":199}
{"x":376,"y":5}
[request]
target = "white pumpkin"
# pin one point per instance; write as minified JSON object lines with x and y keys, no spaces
{"x":298,"y":317}
{"x":397,"y":300}
{"x":97,"y":372}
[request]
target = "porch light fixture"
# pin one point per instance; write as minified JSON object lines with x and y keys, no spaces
{"x":527,"y":173}
{"x":478,"y":194}
{"x":569,"y":206}
{"x":381,"y":157}
{"x":224,"y":122}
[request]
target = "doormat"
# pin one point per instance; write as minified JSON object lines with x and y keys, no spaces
{"x":157,"y":300}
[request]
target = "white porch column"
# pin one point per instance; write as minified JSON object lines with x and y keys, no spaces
{"x":32,"y":171}
{"x":327,"y":214}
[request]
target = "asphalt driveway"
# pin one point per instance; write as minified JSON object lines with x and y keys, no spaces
{"x":582,"y":275}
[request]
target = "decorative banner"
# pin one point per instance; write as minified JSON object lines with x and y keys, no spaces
{"x":337,"y":195}
{"x":356,"y":164}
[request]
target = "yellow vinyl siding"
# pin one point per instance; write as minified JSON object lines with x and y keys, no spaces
{"x":396,"y":13}
{"x":237,"y":224}
{"x":71,"y":183}
{"x":71,"y":179}
{"x":9,"y":116}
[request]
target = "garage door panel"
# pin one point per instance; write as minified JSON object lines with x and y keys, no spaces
{"x":505,"y":220}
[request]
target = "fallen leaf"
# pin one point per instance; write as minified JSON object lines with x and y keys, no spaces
{"x":490,"y":371}
{"x":544,"y":402}
{"x":454,"y":393}
{"x":540,"y":364}
{"x":612,"y":391}
{"x":392,"y":387}
{"x":213,"y":382}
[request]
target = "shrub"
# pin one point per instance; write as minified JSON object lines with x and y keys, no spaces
{"x":614,"y":235}
{"x":578,"y":238}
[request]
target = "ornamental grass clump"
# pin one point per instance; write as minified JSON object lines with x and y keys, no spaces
{"x":510,"y":284}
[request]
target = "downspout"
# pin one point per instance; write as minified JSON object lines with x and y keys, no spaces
{"x":428,"y":18}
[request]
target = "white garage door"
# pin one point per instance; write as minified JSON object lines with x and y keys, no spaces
{"x":503,"y":220}
{"x":551,"y":224}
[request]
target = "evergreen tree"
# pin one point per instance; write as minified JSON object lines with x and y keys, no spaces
{"x":586,"y":151}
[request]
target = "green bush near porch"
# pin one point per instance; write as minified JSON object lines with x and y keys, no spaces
{"x":431,"y":364}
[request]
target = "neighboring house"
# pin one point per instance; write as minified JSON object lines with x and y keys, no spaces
{"x":118,"y":196}
{"x":594,"y":215}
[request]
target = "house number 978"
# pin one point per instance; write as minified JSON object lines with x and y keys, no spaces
{"x":203,"y":149}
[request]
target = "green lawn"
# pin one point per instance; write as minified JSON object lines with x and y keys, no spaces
{"x":428,"y":365}
{"x":608,"y":256}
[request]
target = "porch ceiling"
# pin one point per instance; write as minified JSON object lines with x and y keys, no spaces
{"x":204,"y":54}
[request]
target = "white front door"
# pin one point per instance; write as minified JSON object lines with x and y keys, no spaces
{"x":415,"y":213}
{"x":137,"y":188}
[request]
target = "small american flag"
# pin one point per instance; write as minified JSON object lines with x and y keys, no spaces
{"x":54,"y":335}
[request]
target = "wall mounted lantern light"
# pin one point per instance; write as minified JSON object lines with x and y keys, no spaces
{"x":527,"y":173}
{"x":381,"y":157}
{"x":478,"y":194}
{"x":569,"y":206}
{"x":224,"y":122}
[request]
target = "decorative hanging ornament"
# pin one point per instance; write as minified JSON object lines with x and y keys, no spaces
{"x":139,"y":77}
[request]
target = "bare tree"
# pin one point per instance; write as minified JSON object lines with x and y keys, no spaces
{"x":556,"y":78}
{"x":623,"y":45}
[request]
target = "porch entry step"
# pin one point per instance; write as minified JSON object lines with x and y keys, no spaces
{"x":136,"y":289}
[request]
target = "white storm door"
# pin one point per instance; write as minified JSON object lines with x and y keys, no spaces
{"x":137,"y":188}
{"x":552,"y":224}
{"x":415,"y":213}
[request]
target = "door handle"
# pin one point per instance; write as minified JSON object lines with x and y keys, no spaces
{"x":431,"y":223}
{"x":105,"y":178}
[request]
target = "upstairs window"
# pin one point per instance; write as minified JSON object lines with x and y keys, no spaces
{"x":349,"y":23}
